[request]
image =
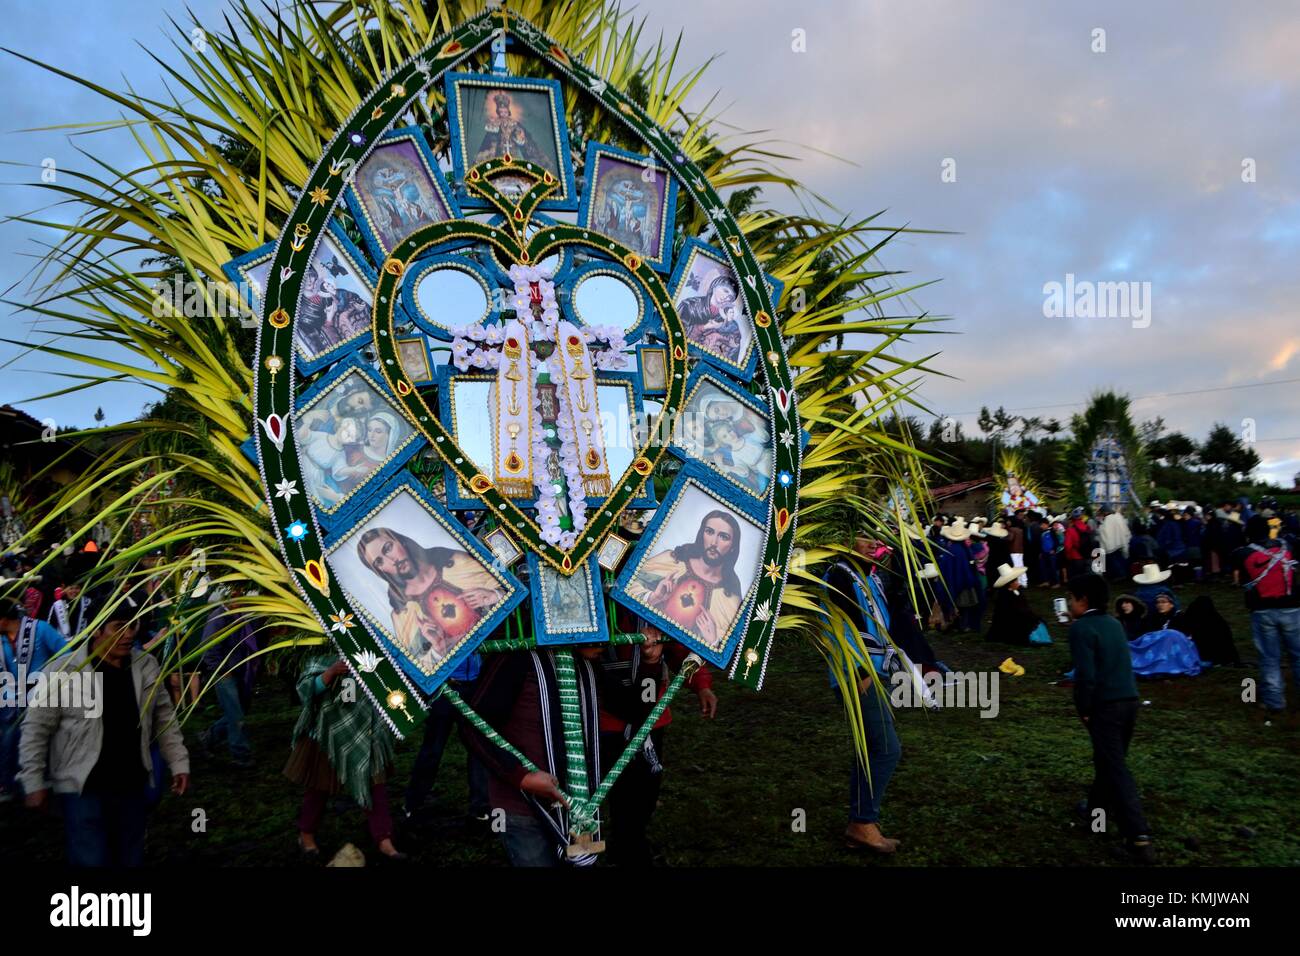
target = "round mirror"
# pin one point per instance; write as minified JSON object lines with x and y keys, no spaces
{"x":450,"y":297}
{"x":604,"y":299}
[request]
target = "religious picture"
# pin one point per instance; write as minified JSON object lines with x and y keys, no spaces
{"x":398,"y":190}
{"x":414,"y":356}
{"x":347,"y":434}
{"x":566,"y":599}
{"x":336,"y":300}
{"x":707,"y":296}
{"x":611,"y":552}
{"x":502,"y":547}
{"x":630,"y":200}
{"x":654,"y":369}
{"x":727,"y":435}
{"x":416,"y":582}
{"x":519,"y":117}
{"x":697,"y":570}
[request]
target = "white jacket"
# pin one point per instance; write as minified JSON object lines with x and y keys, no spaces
{"x":60,"y":744}
{"x":1114,"y":534}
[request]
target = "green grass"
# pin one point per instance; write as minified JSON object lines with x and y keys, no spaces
{"x":968,"y":791}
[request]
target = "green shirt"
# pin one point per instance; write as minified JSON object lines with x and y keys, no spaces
{"x":1103,"y":667}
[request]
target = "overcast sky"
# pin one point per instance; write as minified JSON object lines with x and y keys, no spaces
{"x":1117,"y":166}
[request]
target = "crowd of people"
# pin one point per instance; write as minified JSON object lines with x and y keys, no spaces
{"x":105,"y":770}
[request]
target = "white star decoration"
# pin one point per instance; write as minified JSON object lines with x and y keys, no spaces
{"x":286,"y":489}
{"x":787,"y":438}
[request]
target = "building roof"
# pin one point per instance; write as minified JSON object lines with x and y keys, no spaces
{"x":960,"y":488}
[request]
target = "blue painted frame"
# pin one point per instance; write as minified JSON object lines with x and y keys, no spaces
{"x":358,"y":497}
{"x":724,"y":483}
{"x":235,"y":272}
{"x":598,"y":634}
{"x":691,"y":475}
{"x":668,"y":218}
{"x":658,"y":347}
{"x":503,"y":272}
{"x":695,"y":247}
{"x":353,"y":199}
{"x":461,"y":502}
{"x":592,"y":267}
{"x":516,"y":592}
{"x":416,"y":271}
{"x":459,"y":149}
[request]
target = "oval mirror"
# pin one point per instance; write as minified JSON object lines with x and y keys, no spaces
{"x":450,"y":297}
{"x":604,"y":299}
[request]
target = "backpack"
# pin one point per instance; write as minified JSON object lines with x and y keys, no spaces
{"x":1271,"y":571}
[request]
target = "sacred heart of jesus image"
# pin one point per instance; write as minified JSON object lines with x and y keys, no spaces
{"x":449,"y":378}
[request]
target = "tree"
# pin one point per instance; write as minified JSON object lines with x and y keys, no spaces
{"x":997,"y":425}
{"x":1224,"y":450}
{"x":1175,"y":450}
{"x":1151,"y":430}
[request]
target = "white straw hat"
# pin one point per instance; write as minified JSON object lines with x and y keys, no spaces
{"x":1007,"y":574}
{"x":1151,"y":574}
{"x":957,"y":531}
{"x":929,"y":572}
{"x":997,"y":530}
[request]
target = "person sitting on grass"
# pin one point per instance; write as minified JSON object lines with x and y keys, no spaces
{"x":97,"y":759}
{"x":1132,"y":613}
{"x":1106,"y":698}
{"x":1212,"y":635}
{"x":1014,"y":621}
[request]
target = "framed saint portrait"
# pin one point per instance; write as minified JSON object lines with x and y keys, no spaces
{"x":611,"y":552}
{"x":694,"y":570}
{"x":427,"y":588}
{"x":502,"y":546}
{"x":523,"y":117}
{"x":334,"y":308}
{"x":350,"y":436}
{"x":398,"y":189}
{"x":631,"y":199}
{"x":567,"y":608}
{"x":417,"y":363}
{"x":727,"y":430}
{"x":652,"y":360}
{"x":707,"y":296}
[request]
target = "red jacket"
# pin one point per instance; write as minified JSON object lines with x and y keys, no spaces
{"x":1073,"y":539}
{"x":624,"y":673}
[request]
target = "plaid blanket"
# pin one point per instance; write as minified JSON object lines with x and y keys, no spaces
{"x":351,"y":734}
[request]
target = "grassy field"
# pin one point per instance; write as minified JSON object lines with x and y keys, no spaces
{"x":1219,"y":787}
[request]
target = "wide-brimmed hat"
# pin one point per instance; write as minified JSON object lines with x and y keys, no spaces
{"x":1234,"y":517}
{"x":997,"y":530}
{"x":957,"y":531}
{"x":1151,"y":574}
{"x":913,"y":533}
{"x":1007,"y":574}
{"x":929,"y":572}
